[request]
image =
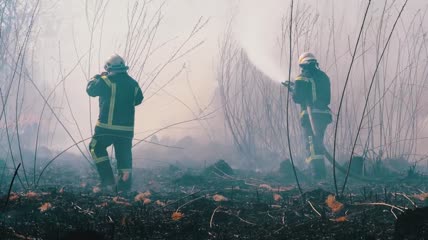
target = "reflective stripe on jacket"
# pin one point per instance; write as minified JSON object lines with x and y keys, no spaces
{"x":118,"y":95}
{"x":312,"y":87}
{"x":315,"y":111}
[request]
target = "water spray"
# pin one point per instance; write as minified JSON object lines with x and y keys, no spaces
{"x":256,"y":31}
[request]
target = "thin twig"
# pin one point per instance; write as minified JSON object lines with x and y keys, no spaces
{"x":410,"y":200}
{"x":169,"y":204}
{"x":243,"y":220}
{"x":11,"y":184}
{"x":212,"y":216}
{"x":368,"y":94}
{"x":392,"y":211}
{"x":189,"y":202}
{"x":288,"y":105}
{"x":380,"y":204}
{"x":343,"y":95}
{"x":313,"y":208}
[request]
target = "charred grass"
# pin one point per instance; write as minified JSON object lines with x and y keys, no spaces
{"x":213,"y":205}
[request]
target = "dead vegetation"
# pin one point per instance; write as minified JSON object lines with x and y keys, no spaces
{"x":220,"y":202}
{"x":220,"y":207}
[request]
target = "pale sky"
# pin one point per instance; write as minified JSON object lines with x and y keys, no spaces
{"x":256,"y":25}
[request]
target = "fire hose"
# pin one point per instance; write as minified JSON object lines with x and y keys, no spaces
{"x":327,"y":155}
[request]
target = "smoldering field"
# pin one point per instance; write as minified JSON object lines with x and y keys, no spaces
{"x":211,"y":74}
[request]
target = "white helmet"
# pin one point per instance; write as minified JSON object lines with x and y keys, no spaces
{"x":307,"y":58}
{"x":115,"y":63}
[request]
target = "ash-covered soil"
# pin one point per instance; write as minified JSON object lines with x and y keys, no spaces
{"x":215,"y":203}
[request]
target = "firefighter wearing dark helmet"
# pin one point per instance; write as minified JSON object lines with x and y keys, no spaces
{"x":312,"y":92}
{"x":118,"y":95}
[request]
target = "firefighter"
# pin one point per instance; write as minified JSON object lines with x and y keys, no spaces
{"x":312,"y":92}
{"x":118,"y":94}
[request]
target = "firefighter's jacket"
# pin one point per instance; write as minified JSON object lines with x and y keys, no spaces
{"x":312,"y":87}
{"x":118,"y":95}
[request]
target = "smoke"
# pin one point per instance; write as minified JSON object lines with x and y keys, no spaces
{"x":60,"y":55}
{"x":257,"y":28}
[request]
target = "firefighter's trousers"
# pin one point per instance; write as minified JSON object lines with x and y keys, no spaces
{"x":122,"y":143}
{"x":315,"y":143}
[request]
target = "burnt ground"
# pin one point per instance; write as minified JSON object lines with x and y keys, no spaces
{"x":212,"y":204}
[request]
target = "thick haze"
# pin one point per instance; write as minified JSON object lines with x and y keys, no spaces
{"x":179,"y":20}
{"x":256,"y":25}
{"x":64,"y":37}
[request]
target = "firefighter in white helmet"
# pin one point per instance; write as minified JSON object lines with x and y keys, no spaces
{"x":118,"y":95}
{"x":312,"y":92}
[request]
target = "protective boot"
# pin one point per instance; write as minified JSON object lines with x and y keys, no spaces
{"x":124,"y":182}
{"x":106,"y":174}
{"x":318,"y":169}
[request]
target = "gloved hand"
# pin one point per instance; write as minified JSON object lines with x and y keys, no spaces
{"x":289,"y":84}
{"x":97,"y":76}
